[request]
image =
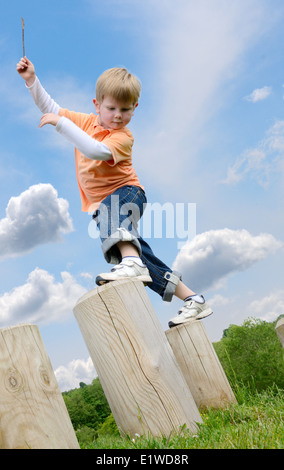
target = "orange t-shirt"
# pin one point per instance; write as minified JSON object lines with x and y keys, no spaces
{"x":96,"y":178}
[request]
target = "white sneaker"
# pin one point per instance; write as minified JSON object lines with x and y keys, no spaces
{"x":127,"y":269}
{"x":191,"y":310}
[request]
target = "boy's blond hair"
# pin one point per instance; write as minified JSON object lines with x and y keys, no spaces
{"x":120,"y":84}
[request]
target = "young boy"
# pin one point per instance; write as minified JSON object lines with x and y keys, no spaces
{"x":108,"y":184}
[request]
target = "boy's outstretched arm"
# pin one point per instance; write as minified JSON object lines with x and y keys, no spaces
{"x":88,"y":146}
{"x":42,"y":99}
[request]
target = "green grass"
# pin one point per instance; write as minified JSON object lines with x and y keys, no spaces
{"x":255,"y":422}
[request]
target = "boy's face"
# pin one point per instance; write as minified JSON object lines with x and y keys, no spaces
{"x":114,"y":114}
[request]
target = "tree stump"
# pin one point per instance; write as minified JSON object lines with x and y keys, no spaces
{"x":280,"y":330}
{"x":200,"y":365}
{"x":33,"y":414}
{"x":141,"y":379}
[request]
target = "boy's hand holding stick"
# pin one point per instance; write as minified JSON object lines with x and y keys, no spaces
{"x":24,"y":67}
{"x":26,"y":70}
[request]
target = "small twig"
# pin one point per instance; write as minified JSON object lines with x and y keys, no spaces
{"x":23,"y":37}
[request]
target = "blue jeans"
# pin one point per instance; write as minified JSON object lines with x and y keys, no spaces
{"x":117,"y":218}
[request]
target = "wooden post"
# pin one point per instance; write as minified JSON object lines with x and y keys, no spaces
{"x":33,"y":414}
{"x":280,"y":330}
{"x":200,"y":365}
{"x":143,"y":384}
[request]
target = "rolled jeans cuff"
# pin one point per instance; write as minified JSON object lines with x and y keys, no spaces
{"x":173,"y":279}
{"x":111,"y":251}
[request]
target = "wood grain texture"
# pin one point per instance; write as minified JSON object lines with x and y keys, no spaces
{"x":144,"y":386}
{"x":280,"y":330}
{"x":200,"y":365}
{"x":33,"y":414}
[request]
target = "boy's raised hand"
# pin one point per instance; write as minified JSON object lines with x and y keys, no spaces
{"x":26,"y":70}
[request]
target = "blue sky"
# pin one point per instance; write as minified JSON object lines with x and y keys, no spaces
{"x":209,"y":131}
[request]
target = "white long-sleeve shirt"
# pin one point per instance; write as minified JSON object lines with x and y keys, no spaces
{"x":88,"y":146}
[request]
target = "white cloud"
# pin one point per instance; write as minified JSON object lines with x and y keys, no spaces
{"x":200,"y":47}
{"x":87,"y":276}
{"x":35,"y":217}
{"x":259,"y":94}
{"x":76,"y":371}
{"x":41,"y":299}
{"x":212,"y":256}
{"x":218,"y":300}
{"x":261,"y":162}
{"x":67,"y":92}
{"x":269,"y":307}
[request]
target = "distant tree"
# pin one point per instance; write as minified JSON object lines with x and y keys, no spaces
{"x":109,"y":427}
{"x":87,"y":405}
{"x":81,"y":413}
{"x":252,"y":354}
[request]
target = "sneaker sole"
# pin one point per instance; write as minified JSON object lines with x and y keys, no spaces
{"x":200,"y":316}
{"x":145,"y":279}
